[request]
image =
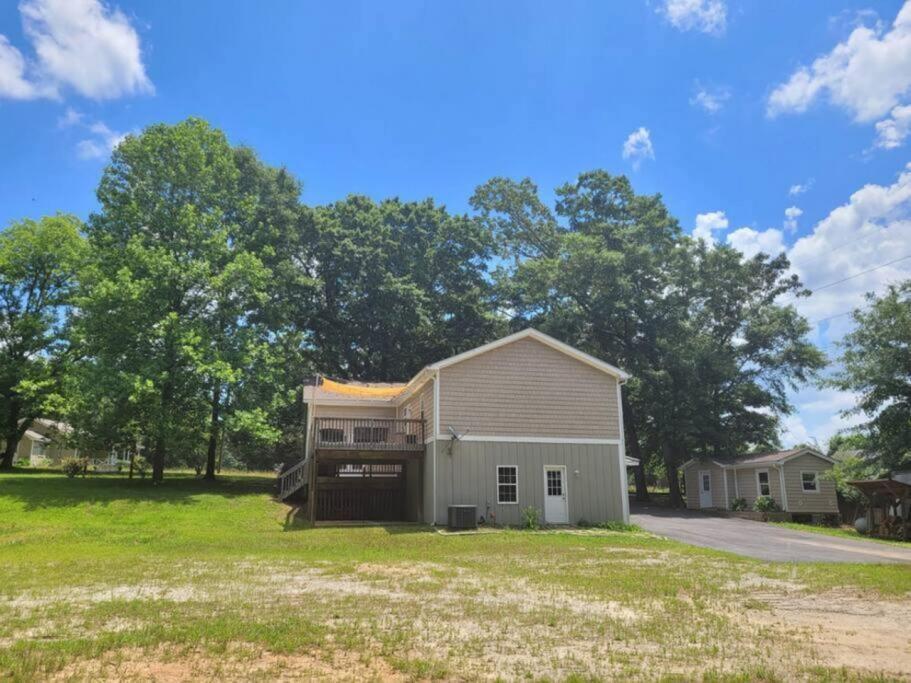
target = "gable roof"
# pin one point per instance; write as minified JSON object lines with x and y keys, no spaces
{"x":531,"y":333}
{"x":759,"y":459}
{"x":407,"y":389}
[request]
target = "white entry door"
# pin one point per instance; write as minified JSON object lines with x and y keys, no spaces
{"x":556,"y":502}
{"x":705,"y":489}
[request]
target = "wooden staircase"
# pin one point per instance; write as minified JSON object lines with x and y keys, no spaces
{"x":294,"y":479}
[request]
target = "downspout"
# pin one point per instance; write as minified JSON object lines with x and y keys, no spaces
{"x":784,"y":491}
{"x":624,"y":481}
{"x":436,"y":431}
{"x":727,"y":498}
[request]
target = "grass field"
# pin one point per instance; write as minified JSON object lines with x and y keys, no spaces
{"x":841,"y":532}
{"x":108,"y":579}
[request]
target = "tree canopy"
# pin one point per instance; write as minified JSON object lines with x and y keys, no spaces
{"x":208,"y":290}
{"x":610,"y":271}
{"x":876,"y":365}
{"x":39,"y":264}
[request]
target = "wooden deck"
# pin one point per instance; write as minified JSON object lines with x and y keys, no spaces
{"x":366,"y":469}
{"x":368,"y":434}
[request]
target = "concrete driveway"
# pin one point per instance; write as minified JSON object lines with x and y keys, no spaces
{"x":760,"y":540}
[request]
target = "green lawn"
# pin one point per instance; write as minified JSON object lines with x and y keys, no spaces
{"x":841,"y":532}
{"x":103,"y":578}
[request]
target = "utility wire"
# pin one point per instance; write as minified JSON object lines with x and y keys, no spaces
{"x":863,"y":272}
{"x":813,"y":290}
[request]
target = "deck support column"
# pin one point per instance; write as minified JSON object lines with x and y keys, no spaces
{"x":311,"y":489}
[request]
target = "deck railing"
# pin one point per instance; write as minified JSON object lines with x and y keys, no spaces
{"x":292,"y":479}
{"x":368,"y":433}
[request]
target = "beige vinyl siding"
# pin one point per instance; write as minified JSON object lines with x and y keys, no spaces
{"x":798,"y":501}
{"x":527,"y":388}
{"x":691,"y":479}
{"x":328,"y":410}
{"x":421,"y":402}
{"x":466,"y":475}
{"x":746,"y":482}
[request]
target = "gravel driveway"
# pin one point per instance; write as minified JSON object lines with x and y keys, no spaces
{"x":760,"y":540}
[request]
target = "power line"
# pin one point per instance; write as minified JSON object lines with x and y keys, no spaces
{"x":813,"y":290}
{"x":830,"y":317}
{"x":863,"y":272}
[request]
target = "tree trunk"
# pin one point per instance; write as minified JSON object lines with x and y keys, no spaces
{"x":9,"y":452}
{"x":158,"y":460}
{"x":213,"y":432}
{"x":132,"y":462}
{"x":673,"y":480}
{"x":634,"y":449}
{"x":12,"y":435}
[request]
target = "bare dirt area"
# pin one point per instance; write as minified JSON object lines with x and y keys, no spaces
{"x":857,"y":632}
{"x":238,"y":663}
{"x":426,"y":620}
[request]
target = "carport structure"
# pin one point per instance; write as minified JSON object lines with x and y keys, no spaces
{"x":889,"y":505}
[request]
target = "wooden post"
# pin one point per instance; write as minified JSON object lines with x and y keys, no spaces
{"x":420,"y":469}
{"x":311,"y":489}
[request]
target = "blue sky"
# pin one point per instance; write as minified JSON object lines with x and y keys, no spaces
{"x":730,"y":105}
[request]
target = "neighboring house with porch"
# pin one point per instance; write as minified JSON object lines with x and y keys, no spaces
{"x":44,"y":443}
{"x":792,"y":478}
{"x":522,"y":421}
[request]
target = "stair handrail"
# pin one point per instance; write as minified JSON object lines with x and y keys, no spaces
{"x":292,"y":479}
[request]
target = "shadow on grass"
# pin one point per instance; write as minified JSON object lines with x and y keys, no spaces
{"x":296,"y":520}
{"x":43,"y":489}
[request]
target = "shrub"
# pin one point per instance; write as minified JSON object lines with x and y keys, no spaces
{"x":738,"y":504}
{"x":72,"y":466}
{"x":615,"y":525}
{"x":531,"y":518}
{"x":583,"y":523}
{"x":140,"y":465}
{"x":765,"y":504}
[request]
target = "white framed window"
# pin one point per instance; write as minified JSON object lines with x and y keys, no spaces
{"x":507,"y":484}
{"x":809,"y":482}
{"x":39,"y":449}
{"x":763,"y":487}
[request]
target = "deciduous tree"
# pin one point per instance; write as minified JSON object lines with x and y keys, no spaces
{"x":39,"y":265}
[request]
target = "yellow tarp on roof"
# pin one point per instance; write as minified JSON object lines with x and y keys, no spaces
{"x":362,"y":391}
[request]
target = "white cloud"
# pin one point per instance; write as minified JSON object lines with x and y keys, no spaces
{"x":793,"y":431}
{"x":800,"y":188}
{"x":79,"y":44}
{"x":70,"y":117}
{"x":101,"y":140}
{"x":752,"y":242}
{"x":13,"y":81}
{"x":818,"y":416}
{"x":856,"y":240}
{"x":871,"y":229}
{"x":891,"y":132}
{"x":707,"y":16}
{"x":707,"y":224}
{"x":638,"y":146}
{"x":791,"y":214}
{"x":867,"y":74}
{"x":710,"y":99}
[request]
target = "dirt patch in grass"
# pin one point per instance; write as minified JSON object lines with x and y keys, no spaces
{"x":846,"y":630}
{"x":239,"y":662}
{"x":422,"y":620}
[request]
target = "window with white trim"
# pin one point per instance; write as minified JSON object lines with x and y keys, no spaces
{"x":762,"y":483}
{"x":39,"y":448}
{"x":507,"y":484}
{"x":809,"y":482}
